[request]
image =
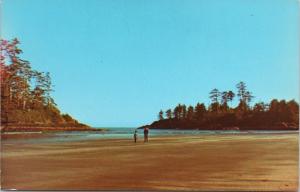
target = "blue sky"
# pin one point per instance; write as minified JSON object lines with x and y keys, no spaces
{"x":118,"y":62}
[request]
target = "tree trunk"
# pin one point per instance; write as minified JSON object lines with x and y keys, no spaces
{"x":24,"y":104}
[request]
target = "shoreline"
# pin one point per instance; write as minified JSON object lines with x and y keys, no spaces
{"x":127,"y":136}
{"x":54,"y":128}
{"x":225,"y":128}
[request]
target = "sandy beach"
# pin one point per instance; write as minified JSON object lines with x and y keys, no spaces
{"x":252,"y":162}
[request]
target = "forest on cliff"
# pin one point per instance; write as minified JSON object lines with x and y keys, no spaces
{"x":26,"y":93}
{"x":220,"y":114}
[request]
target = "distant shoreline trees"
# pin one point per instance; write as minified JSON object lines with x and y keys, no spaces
{"x":218,"y":115}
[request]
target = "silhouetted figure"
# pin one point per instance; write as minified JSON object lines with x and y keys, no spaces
{"x":135,"y":136}
{"x":146,"y":132}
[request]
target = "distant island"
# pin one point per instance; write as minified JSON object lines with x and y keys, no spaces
{"x":26,"y":103}
{"x":220,"y":115}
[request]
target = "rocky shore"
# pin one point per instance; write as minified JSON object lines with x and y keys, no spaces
{"x":46,"y":128}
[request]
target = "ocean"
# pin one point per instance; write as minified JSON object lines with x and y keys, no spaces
{"x":119,"y":133}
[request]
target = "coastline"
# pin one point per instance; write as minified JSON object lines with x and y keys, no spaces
{"x":222,"y":128}
{"x":47,"y":128}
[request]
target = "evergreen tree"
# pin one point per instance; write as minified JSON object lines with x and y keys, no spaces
{"x":183,"y":112}
{"x":230,"y":95}
{"x":25,"y":93}
{"x":190,"y":113}
{"x":224,"y":100}
{"x":161,"y":115}
{"x":178,"y":110}
{"x":200,"y":110}
{"x":244,"y":95}
{"x":241,"y":86}
{"x":214,"y":95}
{"x":274,"y":115}
{"x":259,"y":107}
{"x":169,"y":114}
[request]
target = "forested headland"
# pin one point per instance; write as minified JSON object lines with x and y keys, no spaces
{"x":221,"y":115}
{"x":26,"y":102}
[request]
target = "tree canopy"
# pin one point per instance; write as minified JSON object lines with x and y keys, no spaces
{"x":25,"y":92}
{"x":219,"y":115}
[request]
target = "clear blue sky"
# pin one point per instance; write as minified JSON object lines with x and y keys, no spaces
{"x":118,"y":62}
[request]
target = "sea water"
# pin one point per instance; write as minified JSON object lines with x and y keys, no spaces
{"x":122,"y":133}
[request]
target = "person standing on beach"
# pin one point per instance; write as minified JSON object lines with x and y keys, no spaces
{"x":146,"y":132}
{"x":135,"y":136}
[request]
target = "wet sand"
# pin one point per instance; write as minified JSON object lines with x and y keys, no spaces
{"x":257,"y":162}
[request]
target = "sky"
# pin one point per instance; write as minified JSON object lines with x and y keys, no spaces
{"x":117,"y":63}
